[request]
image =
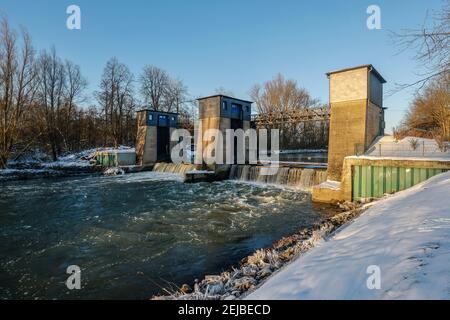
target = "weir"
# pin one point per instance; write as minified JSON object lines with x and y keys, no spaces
{"x":173,"y":168}
{"x":352,"y":173}
{"x":301,"y":178}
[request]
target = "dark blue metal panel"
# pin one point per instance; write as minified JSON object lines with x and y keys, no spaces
{"x":235,"y":109}
{"x":162,"y":119}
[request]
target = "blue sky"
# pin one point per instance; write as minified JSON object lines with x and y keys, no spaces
{"x":231,"y":44}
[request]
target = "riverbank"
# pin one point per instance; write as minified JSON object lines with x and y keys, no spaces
{"x":404,"y":236}
{"x":134,"y":234}
{"x":36,"y":165}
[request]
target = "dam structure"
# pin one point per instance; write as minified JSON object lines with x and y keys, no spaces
{"x":363,"y":163}
{"x":223,"y":112}
{"x":290,"y":176}
{"x":153,"y":143}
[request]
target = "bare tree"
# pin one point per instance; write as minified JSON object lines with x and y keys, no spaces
{"x":280,"y":95}
{"x":432,"y":46}
{"x":429,"y":113}
{"x":175,"y":96}
{"x":17,"y":86}
{"x":284,"y":97}
{"x":75,"y":86}
{"x":51,"y":95}
{"x":154,"y":85}
{"x":160,"y":92}
{"x":116,"y":100}
{"x":40,"y":102}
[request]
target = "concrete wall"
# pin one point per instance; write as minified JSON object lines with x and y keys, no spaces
{"x":151,"y":147}
{"x":146,"y":145}
{"x":126,"y":158}
{"x":206,"y":124}
{"x":209,"y":108}
{"x":141,"y":136}
{"x":347,"y":128}
{"x":349,"y":85}
{"x":374,"y":117}
{"x":376,"y":90}
{"x":140,"y":144}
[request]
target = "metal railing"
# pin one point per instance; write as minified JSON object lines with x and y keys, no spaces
{"x":420,"y":149}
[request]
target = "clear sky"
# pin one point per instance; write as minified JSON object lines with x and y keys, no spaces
{"x":230,"y":43}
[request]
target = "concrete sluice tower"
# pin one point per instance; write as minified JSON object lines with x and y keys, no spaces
{"x":222,"y":112}
{"x":153,"y":136}
{"x":357,"y":119}
{"x":357,"y":114}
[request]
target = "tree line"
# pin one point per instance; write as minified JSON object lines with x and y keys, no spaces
{"x":42,"y":98}
{"x":428,"y":115}
{"x":281,"y":96}
{"x":44,"y":102}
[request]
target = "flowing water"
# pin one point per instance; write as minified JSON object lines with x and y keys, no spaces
{"x":299,"y":178}
{"x":131,"y":235}
{"x":304,"y":157}
{"x":173,"y":168}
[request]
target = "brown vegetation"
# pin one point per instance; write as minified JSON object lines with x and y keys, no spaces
{"x":43,"y":98}
{"x":302,"y":120}
{"x":429,"y":113}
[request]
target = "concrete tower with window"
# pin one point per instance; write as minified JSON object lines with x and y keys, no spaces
{"x":357,"y":114}
{"x":153,"y":143}
{"x":222,"y":113}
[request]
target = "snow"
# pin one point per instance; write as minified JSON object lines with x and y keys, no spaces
{"x":301,"y":151}
{"x":330,"y":184}
{"x":66,"y":164}
{"x":312,"y":165}
{"x":121,"y":149}
{"x":406,"y":235}
{"x":400,"y":158}
{"x":146,"y":176}
{"x":388,"y":148}
{"x":200,"y":172}
{"x":26,"y":171}
{"x":38,"y":160}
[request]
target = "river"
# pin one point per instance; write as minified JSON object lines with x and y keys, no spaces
{"x":135,"y":234}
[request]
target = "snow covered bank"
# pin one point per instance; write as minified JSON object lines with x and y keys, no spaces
{"x":406,"y":235}
{"x":36,"y":164}
{"x":301,"y":151}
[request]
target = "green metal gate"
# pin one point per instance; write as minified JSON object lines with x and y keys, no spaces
{"x":106,"y":159}
{"x":372,"y":182}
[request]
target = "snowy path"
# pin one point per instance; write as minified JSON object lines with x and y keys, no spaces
{"x":407,"y":235}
